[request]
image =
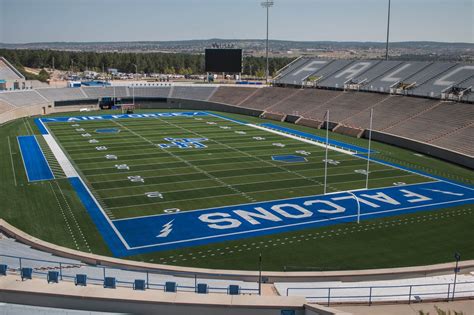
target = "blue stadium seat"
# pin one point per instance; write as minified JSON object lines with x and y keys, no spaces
{"x":202,"y":288}
{"x":139,"y":284}
{"x":3,"y":270}
{"x":53,"y":276}
{"x":80,"y":279}
{"x":234,"y":289}
{"x":26,"y":273}
{"x":170,"y":287}
{"x":110,"y":282}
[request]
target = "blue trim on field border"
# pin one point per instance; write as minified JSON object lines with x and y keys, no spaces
{"x":227,"y":118}
{"x":77,"y":119}
{"x":103,"y":225}
{"x":35,"y":163}
{"x":41,"y":127}
{"x":316,"y":138}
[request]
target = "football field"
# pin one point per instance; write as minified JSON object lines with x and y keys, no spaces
{"x":163,"y":181}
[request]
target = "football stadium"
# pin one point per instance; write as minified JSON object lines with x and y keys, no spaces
{"x":333,"y":186}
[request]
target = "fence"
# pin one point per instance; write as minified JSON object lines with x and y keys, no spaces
{"x":389,"y":293}
{"x":124,"y":277}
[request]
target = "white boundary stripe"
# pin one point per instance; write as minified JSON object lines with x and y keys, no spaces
{"x":22,"y":159}
{"x":11,"y":159}
{"x":62,"y":159}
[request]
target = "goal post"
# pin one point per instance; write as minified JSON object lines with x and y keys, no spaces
{"x":128,"y":108}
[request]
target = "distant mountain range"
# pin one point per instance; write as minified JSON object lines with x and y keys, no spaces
{"x":237,"y":43}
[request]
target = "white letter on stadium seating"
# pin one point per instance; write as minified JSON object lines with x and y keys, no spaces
{"x":380,"y":196}
{"x":207,"y":218}
{"x":419,"y":198}
{"x":337,"y":208}
{"x":390,"y":77}
{"x":262,"y":214}
{"x":304,"y":212}
{"x":442,"y":81}
{"x":309,"y":67}
{"x":354,"y":70}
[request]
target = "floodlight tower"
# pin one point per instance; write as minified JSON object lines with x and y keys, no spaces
{"x":388,"y":30}
{"x":267,"y":4}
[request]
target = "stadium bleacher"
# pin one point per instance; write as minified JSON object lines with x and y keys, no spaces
{"x":7,"y":72}
{"x":458,"y":140}
{"x":264,"y":98}
{"x":151,"y":91}
{"x":4,"y":107}
{"x":232,"y":95}
{"x":398,"y":75}
{"x":96,"y":92}
{"x":23,"y":98}
{"x":454,"y":74}
{"x":303,"y":101}
{"x":373,"y":73}
{"x":303,"y":71}
{"x":432,"y":124}
{"x":62,"y":94}
{"x":352,"y":71}
{"x":193,"y":92}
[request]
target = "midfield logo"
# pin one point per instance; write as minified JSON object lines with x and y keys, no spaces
{"x":183,"y":143}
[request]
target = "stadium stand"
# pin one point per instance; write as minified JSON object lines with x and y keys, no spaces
{"x":364,"y":80}
{"x":151,"y":91}
{"x":96,"y":92}
{"x":458,"y":140}
{"x":265,"y":97}
{"x":394,"y":110}
{"x":398,"y":75}
{"x":232,"y":95}
{"x":193,"y":93}
{"x":434,"y":86}
{"x":417,"y":80}
{"x":8,"y":72}
{"x":300,"y":74}
{"x":290,"y":67}
{"x":345,"y":105}
{"x":23,"y":98}
{"x":355,"y":69}
{"x":62,"y":94}
{"x":431,"y":124}
{"x":304,"y":101}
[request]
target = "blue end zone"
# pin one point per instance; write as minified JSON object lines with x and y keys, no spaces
{"x":199,"y":227}
{"x":317,"y":138}
{"x":36,"y":166}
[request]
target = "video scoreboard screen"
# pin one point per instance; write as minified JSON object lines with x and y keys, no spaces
{"x":223,"y":60}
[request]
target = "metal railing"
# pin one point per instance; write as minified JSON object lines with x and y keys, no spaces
{"x":385,"y":293}
{"x":124,"y":277}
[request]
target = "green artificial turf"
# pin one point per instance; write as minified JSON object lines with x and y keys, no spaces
{"x":233,"y":169}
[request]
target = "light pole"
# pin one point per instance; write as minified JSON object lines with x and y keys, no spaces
{"x":388,"y":30}
{"x":267,"y":4}
{"x":457,"y":256}
{"x":133,"y":85}
{"x":260,"y":274}
{"x":369,"y":149}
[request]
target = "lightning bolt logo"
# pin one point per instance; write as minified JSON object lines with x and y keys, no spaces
{"x":166,"y":230}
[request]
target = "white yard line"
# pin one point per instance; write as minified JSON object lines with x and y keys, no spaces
{"x":256,"y":191}
{"x":11,"y":159}
{"x":188,"y":163}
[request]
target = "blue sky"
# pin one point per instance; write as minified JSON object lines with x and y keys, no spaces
{"x":148,"y":20}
